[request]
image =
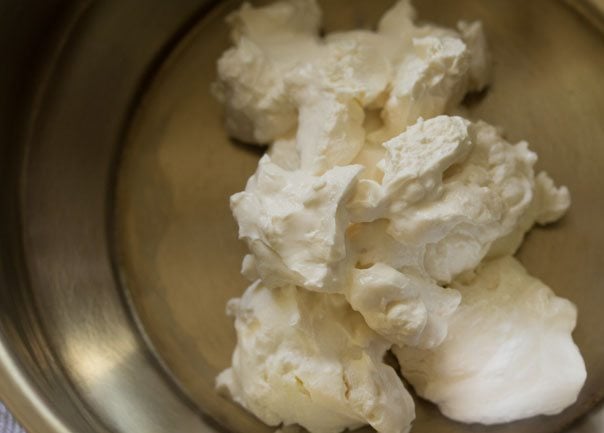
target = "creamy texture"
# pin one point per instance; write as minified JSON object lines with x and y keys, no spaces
{"x":522,"y":363}
{"x":280,"y":74}
{"x":450,"y":190}
{"x":294,"y":223}
{"x":268,"y":42}
{"x":403,"y":308}
{"x":364,"y":220}
{"x":309,"y":359}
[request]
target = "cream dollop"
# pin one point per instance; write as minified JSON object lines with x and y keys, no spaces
{"x":509,"y":353}
{"x":403,"y":308}
{"x":294,"y":224}
{"x":309,"y":359}
{"x":451,"y":189}
{"x":268,"y":43}
{"x":270,"y":79}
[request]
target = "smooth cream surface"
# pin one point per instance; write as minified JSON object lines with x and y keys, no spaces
{"x":366,"y":217}
{"x":522,"y":363}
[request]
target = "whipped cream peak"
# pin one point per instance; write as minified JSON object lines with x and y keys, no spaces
{"x":399,"y":21}
{"x":330,"y":131}
{"x":416,"y":160}
{"x":294,"y":224}
{"x":450,"y":185}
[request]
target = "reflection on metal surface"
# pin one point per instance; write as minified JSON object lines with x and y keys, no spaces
{"x":26,"y":403}
{"x":591,"y":10}
{"x":60,"y":296}
{"x":95,"y":363}
{"x":593,"y":423}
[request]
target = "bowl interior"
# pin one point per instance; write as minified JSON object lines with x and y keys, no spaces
{"x":177,"y":241}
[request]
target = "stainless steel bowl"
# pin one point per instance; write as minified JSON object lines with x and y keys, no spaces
{"x":118,"y":250}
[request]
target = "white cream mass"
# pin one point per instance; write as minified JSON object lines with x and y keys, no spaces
{"x":522,"y":363}
{"x":308,"y":358}
{"x":366,"y":221}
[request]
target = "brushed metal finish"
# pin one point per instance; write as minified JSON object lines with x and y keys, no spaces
{"x":71,"y":359}
{"x":112,"y":294}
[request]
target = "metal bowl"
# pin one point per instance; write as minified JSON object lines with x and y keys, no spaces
{"x":118,"y":249}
